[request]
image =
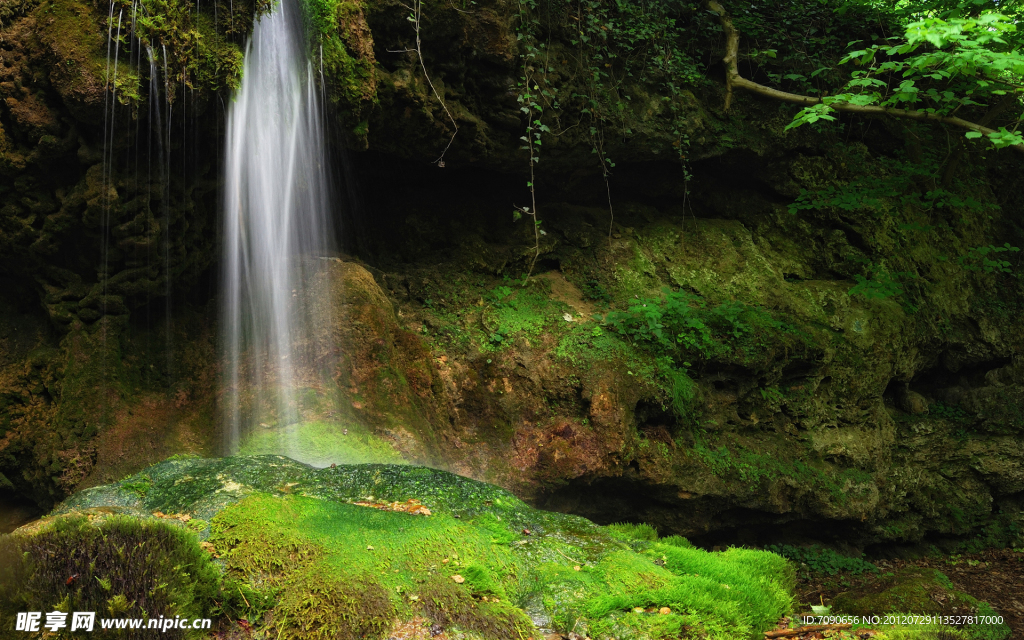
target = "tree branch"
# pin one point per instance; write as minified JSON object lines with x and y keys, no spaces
{"x":733,"y":80}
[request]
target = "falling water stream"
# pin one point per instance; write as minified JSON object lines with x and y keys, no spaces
{"x":276,"y":226}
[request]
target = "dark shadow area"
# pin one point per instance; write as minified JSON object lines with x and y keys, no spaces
{"x":705,"y":521}
{"x":397,"y":211}
{"x":16,"y":512}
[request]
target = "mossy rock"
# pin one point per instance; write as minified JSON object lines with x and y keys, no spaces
{"x":354,"y":551}
{"x":113,"y":565}
{"x":921,"y":591}
{"x":915,"y":590}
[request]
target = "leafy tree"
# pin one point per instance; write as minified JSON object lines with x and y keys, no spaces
{"x":952,"y":58}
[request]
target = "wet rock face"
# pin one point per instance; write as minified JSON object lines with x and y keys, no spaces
{"x":860,"y":419}
{"x":832,"y":454}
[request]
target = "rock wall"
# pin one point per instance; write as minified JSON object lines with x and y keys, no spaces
{"x":843,"y":362}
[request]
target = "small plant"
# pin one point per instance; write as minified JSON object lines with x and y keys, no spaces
{"x":884,"y":284}
{"x":530,"y":105}
{"x":140,"y":484}
{"x":977,"y":259}
{"x":949,"y":412}
{"x":681,"y":322}
{"x":819,"y":560}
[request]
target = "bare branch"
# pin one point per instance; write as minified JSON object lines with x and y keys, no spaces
{"x":733,"y":80}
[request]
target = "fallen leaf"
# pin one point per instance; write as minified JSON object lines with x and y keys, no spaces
{"x":413,"y":507}
{"x":459,"y":579}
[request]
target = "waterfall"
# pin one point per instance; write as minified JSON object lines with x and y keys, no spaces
{"x":276,"y":206}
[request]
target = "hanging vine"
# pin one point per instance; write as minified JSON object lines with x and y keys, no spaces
{"x":416,"y":17}
{"x":531,"y":107}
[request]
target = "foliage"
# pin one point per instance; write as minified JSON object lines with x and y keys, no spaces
{"x":983,"y":631}
{"x":532,"y":139}
{"x":679,"y":328}
{"x":185,"y":46}
{"x":139,"y":484}
{"x":884,"y":284}
{"x":680,"y":324}
{"x":941,"y":65}
{"x":949,"y":412}
{"x":753,"y":468}
{"x":623,"y":45}
{"x":886,"y":186}
{"x":798,"y":44}
{"x":816,"y":559}
{"x":120,"y":567}
{"x":590,"y":62}
{"x":977,"y":259}
{"x":339,"y":44}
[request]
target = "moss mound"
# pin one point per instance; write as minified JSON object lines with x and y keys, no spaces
{"x":920,"y":591}
{"x":354,"y":550}
{"x":924,"y":592}
{"x":119,"y":567}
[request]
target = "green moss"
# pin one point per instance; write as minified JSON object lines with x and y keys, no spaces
{"x":917,"y":591}
{"x":295,"y":547}
{"x":755,"y":467}
{"x":821,"y":561}
{"x":320,"y":444}
{"x":341,"y":44}
{"x":119,"y":567}
{"x":453,"y":604}
{"x":499,"y":529}
{"x":512,"y":313}
{"x":694,"y":585}
{"x":922,"y":592}
{"x":628,"y":531}
{"x":313,"y":605}
{"x":140,"y":484}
